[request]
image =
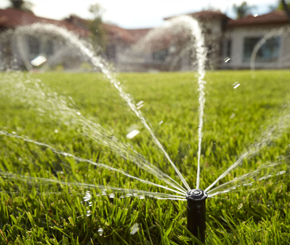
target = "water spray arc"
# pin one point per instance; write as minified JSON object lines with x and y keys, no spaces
{"x":196,"y":198}
{"x":196,"y":205}
{"x":269,"y":35}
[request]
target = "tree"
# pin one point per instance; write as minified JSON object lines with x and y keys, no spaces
{"x":242,"y":10}
{"x":284,"y":6}
{"x":96,"y":28}
{"x":21,"y":5}
{"x":280,"y":5}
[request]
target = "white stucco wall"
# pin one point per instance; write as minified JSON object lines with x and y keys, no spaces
{"x":237,"y":37}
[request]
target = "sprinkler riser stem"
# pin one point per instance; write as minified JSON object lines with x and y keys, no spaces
{"x":196,"y":210}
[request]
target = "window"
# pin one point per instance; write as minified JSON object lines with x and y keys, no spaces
{"x":160,"y":55}
{"x":209,"y":51}
{"x":33,"y":45}
{"x":49,"y":47}
{"x":208,"y":31}
{"x":111,"y":52}
{"x":267,"y":53}
{"x":228,"y":52}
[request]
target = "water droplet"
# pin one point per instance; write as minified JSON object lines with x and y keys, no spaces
{"x":227,"y":59}
{"x":112,"y":195}
{"x":100,"y":231}
{"x":39,"y":60}
{"x":248,"y":184}
{"x":236,"y":84}
{"x":89,"y":213}
{"x":240,"y":206}
{"x":56,"y":131}
{"x":87,"y":196}
{"x":134,"y":229}
{"x":78,"y":113}
{"x":160,"y":122}
{"x":232,"y":116}
{"x":140,"y":104}
{"x":132,"y":134}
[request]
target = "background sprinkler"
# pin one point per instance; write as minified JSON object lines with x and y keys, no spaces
{"x":196,"y":213}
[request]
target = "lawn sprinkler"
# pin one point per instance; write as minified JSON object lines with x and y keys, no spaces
{"x":196,"y":213}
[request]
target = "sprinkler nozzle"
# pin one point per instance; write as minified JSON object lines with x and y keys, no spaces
{"x":196,"y":213}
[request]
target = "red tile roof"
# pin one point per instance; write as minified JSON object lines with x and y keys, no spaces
{"x":127,"y":36}
{"x":139,"y":33}
{"x":275,"y":17}
{"x":204,"y":15}
{"x":78,"y":21}
{"x":114,"y":33}
{"x":11,"y":18}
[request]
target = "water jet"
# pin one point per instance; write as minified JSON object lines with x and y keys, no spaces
{"x":196,"y":198}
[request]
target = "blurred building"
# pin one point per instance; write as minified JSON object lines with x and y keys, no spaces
{"x":229,"y":43}
{"x":214,"y":25}
{"x":242,"y":35}
{"x":18,"y":50}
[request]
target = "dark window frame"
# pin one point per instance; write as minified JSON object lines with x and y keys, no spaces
{"x":229,"y":48}
{"x":269,"y":51}
{"x":33,"y":45}
{"x":49,"y":48}
{"x":160,"y":55}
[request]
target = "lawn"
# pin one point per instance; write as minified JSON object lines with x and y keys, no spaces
{"x":43,"y":200}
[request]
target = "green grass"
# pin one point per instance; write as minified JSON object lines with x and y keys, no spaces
{"x":37,"y":212}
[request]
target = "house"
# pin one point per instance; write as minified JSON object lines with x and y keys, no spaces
{"x":213,"y":24}
{"x":120,"y":43}
{"x":163,"y":50}
{"x":229,"y":43}
{"x":18,"y":50}
{"x":242,"y":35}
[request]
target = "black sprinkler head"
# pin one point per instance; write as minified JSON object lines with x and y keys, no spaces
{"x":196,"y":213}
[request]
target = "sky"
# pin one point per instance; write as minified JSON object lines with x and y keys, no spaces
{"x":137,"y":13}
